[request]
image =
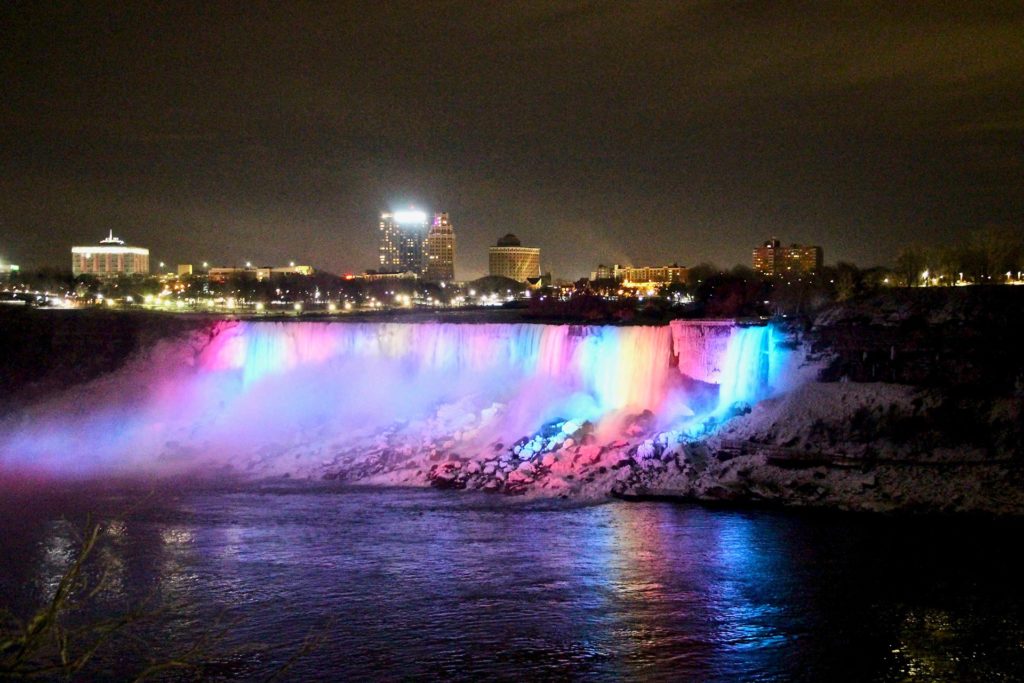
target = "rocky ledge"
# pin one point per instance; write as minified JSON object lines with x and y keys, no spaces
{"x":871,"y":447}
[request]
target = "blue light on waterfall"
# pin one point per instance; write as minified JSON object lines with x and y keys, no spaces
{"x":258,"y":389}
{"x":751,"y":367}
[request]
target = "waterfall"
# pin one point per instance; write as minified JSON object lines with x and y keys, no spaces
{"x":746,"y":365}
{"x":260,"y":388}
{"x":620,"y":367}
{"x":742,"y":361}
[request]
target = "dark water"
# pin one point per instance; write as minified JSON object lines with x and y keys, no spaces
{"x":424,"y":584}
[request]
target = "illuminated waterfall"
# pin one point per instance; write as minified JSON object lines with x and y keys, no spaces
{"x":745,"y":367}
{"x":619,"y":367}
{"x":257,"y":388}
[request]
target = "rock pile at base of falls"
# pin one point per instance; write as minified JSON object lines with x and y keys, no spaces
{"x":850,"y":446}
{"x":565,"y":458}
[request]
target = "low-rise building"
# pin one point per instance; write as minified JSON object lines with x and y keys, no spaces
{"x":221,"y":273}
{"x":641,"y":277}
{"x":652,"y":277}
{"x":376,"y":276}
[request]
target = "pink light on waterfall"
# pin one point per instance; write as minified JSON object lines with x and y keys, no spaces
{"x":281,"y":393}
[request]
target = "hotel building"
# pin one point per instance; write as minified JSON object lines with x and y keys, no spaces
{"x":110,"y":258}
{"x":644,"y":277}
{"x":402,"y":236}
{"x":771,"y":259}
{"x":512,"y":260}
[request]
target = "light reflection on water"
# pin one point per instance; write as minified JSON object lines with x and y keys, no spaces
{"x":429,"y":584}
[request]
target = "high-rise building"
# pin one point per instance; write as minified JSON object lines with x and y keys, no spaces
{"x":439,"y":257}
{"x":771,"y":258}
{"x":402,"y":236}
{"x":110,"y":258}
{"x":512,"y":260}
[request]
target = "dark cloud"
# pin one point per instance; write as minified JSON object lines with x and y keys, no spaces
{"x":677,"y":131}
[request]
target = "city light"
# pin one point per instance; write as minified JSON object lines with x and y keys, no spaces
{"x":410,"y":217}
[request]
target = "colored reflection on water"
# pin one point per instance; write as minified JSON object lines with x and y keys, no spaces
{"x":426,"y":584}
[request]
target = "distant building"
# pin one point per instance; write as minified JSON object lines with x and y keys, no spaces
{"x":439,"y":254}
{"x":641,"y":277}
{"x":184,"y":269}
{"x":110,"y":258}
{"x":260,"y":273}
{"x":604,"y":272}
{"x":772,"y":259}
{"x":7,"y":269}
{"x":402,"y":238}
{"x":539,"y":282}
{"x":512,"y":260}
{"x":652,"y":277}
{"x":375,"y":276}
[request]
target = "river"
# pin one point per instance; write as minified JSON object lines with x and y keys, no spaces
{"x":400,"y":584}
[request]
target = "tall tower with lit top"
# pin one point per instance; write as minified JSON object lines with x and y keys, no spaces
{"x":402,"y":236}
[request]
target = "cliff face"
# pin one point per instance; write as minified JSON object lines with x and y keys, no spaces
{"x":963,"y":338}
{"x":858,"y":446}
{"x":919,"y":405}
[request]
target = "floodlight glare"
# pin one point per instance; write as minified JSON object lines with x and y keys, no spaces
{"x":414,"y":217}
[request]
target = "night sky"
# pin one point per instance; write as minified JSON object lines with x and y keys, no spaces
{"x":601,"y":132}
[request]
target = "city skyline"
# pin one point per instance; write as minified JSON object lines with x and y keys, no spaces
{"x":631,"y":133}
{"x":556,"y":340}
{"x":388,"y":261}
